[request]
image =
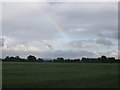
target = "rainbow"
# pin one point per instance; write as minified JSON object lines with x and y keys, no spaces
{"x":57,"y":25}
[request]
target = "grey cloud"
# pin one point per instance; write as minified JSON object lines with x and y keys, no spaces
{"x":1,"y":42}
{"x":104,"y":42}
{"x":30,"y":29}
{"x":54,"y":54}
{"x":86,"y":44}
{"x":94,"y":18}
{"x":23,"y":54}
{"x":113,"y":35}
{"x":70,"y":54}
{"x":64,"y":54}
{"x":49,"y":46}
{"x":31,"y":24}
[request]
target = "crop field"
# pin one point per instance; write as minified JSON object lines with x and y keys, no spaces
{"x":59,"y":75}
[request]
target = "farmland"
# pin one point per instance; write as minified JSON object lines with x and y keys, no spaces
{"x":59,"y":75}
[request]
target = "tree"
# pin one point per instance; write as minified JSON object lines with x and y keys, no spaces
{"x":12,"y":58}
{"x":103,"y":59}
{"x":17,"y":57}
{"x":40,"y":60}
{"x":84,"y":59}
{"x":31,"y":58}
{"x":6,"y":58}
{"x":60,"y":59}
{"x":111,"y":59}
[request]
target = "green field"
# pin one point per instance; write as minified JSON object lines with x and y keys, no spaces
{"x":59,"y":75}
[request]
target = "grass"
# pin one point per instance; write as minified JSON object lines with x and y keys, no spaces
{"x":59,"y":75}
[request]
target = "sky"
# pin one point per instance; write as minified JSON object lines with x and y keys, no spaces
{"x":59,"y":29}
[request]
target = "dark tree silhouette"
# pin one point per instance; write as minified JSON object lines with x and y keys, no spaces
{"x":111,"y":60}
{"x":31,"y":58}
{"x":104,"y":59}
{"x":6,"y":58}
{"x":84,"y":60}
{"x":60,"y":59}
{"x":40,"y":60}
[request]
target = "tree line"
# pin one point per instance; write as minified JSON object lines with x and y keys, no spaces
{"x":31,"y":58}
